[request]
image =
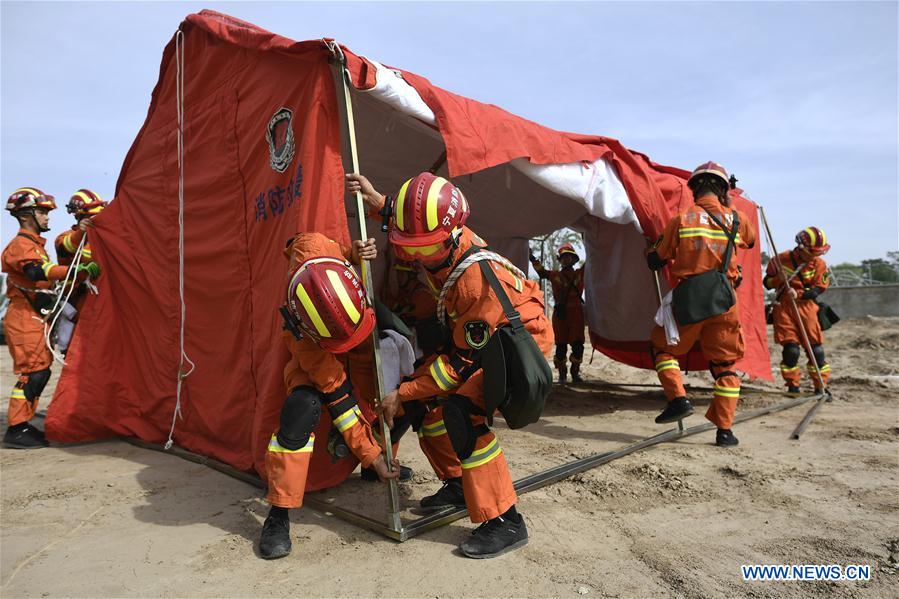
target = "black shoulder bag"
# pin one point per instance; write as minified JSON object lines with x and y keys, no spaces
{"x":517,"y":377}
{"x":710,"y":293}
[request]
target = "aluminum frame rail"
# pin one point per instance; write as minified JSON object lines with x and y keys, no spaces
{"x":529,"y":483}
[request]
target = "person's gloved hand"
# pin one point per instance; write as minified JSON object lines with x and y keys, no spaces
{"x":811,"y":293}
{"x":92,"y":269}
{"x":532,"y":257}
{"x":654,"y":261}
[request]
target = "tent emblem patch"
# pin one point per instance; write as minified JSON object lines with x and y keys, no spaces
{"x":281,"y":145}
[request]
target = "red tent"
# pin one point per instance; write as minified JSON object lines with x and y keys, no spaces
{"x":263,"y":159}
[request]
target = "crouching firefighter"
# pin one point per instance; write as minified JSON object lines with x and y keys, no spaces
{"x":428,"y":227}
{"x":568,"y":311}
{"x":808,"y":278}
{"x":30,"y":274}
{"x":698,"y":247}
{"x":84,"y":205}
{"x":328,"y":316}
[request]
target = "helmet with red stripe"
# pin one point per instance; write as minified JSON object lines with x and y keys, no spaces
{"x":29,"y":197}
{"x":711,"y":169}
{"x":429,"y":213}
{"x":813,"y":240}
{"x":85,"y":202}
{"x":568,"y":250}
{"x":328,"y":299}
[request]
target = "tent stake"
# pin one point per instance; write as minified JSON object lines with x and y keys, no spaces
{"x":523,"y":485}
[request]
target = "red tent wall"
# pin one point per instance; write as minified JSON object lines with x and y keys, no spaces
{"x":238,"y":214}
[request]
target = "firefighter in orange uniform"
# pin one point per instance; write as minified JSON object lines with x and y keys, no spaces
{"x":331,"y":315}
{"x":427,"y":227}
{"x":692,"y":243}
{"x":568,"y":311}
{"x":84,"y":204}
{"x":30,"y":273}
{"x":808,"y":278}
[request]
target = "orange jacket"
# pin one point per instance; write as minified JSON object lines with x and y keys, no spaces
{"x":24,"y":249}
{"x":310,"y":365}
{"x":474,"y":312}
{"x":409,"y":297}
{"x":567,"y":284}
{"x":66,"y":245}
{"x":812,"y":273}
{"x":695,"y":244}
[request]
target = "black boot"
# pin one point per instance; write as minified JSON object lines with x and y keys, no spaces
{"x":275,"y":539}
{"x":449,"y":495}
{"x":576,"y":374}
{"x":725,"y":438}
{"x":370,"y":475}
{"x":496,"y":537}
{"x":677,"y":409}
{"x":793,"y":390}
{"x":24,"y":436}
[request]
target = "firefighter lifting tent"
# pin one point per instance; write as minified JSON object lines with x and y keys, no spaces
{"x":262,"y":159}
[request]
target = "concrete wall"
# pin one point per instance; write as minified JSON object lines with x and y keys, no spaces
{"x":857,"y":302}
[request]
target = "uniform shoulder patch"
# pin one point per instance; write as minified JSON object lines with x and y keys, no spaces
{"x":477,"y":332}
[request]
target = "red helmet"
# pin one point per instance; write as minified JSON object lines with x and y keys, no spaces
{"x":29,"y":197}
{"x":428,"y":211}
{"x":568,"y":249}
{"x":328,"y":298}
{"x":85,"y":202}
{"x":711,"y":168}
{"x":813,"y":240}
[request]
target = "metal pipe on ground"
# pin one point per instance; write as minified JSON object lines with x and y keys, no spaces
{"x":522,"y":485}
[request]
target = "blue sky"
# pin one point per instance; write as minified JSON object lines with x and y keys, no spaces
{"x":798,"y":99}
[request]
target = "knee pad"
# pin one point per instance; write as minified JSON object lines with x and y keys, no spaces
{"x":35,"y":384}
{"x":561,"y":350}
{"x":818,"y":350}
{"x":790,"y":355}
{"x":721,"y":369}
{"x":457,"y":420}
{"x":299,"y":417}
{"x":577,"y":352}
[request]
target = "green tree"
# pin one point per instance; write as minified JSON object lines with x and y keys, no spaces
{"x":879,"y":269}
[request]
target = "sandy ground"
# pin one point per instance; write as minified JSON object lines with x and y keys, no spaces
{"x":110,"y":519}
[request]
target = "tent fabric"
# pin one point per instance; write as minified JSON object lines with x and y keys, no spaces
{"x":240,"y":209}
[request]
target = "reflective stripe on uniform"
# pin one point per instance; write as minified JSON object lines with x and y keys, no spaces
{"x":432,"y":430}
{"x":347,"y":419}
{"x":275,"y":447}
{"x":46,"y":265}
{"x":727,"y":391}
{"x":441,"y":374}
{"x":67,"y":243}
{"x":785,"y":368}
{"x":86,"y":254}
{"x":483,"y":455}
{"x":685,"y":232}
{"x":18,"y":393}
{"x":825,"y":368}
{"x":667,"y":365}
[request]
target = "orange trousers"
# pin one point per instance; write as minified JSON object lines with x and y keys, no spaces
{"x":721,"y":341}
{"x":786,"y":331}
{"x":25,"y":339}
{"x":571,"y":328}
{"x":437,"y":447}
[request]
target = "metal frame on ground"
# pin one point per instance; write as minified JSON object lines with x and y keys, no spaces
{"x":413,"y":528}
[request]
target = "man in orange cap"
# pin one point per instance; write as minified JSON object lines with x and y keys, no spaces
{"x":808,"y":278}
{"x":695,"y":242}
{"x":30,"y":274}
{"x":428,"y":227}
{"x":568,"y":312}
{"x":329,"y":318}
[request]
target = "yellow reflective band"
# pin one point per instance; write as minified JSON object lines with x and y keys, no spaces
{"x":483,"y":455}
{"x":825,"y":368}
{"x":20,"y":394}
{"x":433,"y":430}
{"x":275,"y":447}
{"x":46,"y":265}
{"x":400,"y":201}
{"x":344,"y":297}
{"x":667,"y":365}
{"x":785,"y":368}
{"x":86,"y":253}
{"x":67,"y":243}
{"x":433,"y":195}
{"x":313,"y":313}
{"x":705,"y":232}
{"x":443,"y":378}
{"x":347,"y":419}
{"x":518,"y":285}
{"x":29,"y":190}
{"x":727,"y":391}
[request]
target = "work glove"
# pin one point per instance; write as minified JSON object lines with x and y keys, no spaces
{"x":532,"y":257}
{"x":811,"y":293}
{"x":92,"y":269}
{"x":654,"y":261}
